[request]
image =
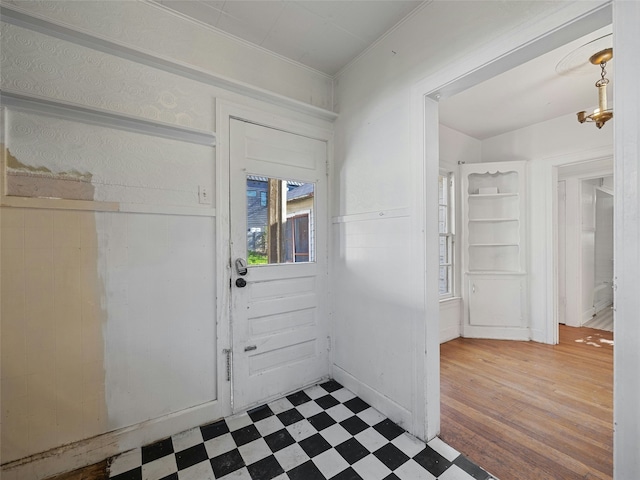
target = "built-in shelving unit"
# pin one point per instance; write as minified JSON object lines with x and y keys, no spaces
{"x":494,"y":253}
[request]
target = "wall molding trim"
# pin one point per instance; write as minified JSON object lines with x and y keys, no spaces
{"x":174,"y":13}
{"x":104,"y":118}
{"x":380,"y":215}
{"x":13,"y":15}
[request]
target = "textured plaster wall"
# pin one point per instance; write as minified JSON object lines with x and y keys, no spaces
{"x":149,"y":28}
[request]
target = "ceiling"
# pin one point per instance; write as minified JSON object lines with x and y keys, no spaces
{"x":324,"y":35}
{"x":530,"y":93}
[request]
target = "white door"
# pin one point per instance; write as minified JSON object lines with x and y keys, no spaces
{"x":278,"y":221}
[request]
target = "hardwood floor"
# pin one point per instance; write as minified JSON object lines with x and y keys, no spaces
{"x":528,"y":411}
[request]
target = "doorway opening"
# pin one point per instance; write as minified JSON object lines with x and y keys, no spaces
{"x":585,"y":244}
{"x":543,"y":171}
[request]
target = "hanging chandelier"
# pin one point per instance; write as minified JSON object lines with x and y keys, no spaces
{"x":601,"y":114}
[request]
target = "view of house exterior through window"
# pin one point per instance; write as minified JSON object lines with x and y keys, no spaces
{"x":445,"y":228}
{"x":279,"y":221}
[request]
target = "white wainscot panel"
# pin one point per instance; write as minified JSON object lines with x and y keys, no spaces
{"x":373,"y":312}
{"x":51,"y":157}
{"x":160,"y":348}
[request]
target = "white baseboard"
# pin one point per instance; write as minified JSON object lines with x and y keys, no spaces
{"x":587,"y":315}
{"x":377,"y":400}
{"x":450,"y":319}
{"x":507,"y":333}
{"x":93,"y":450}
{"x":538,"y":336}
{"x":603,"y":304}
{"x":449,"y":333}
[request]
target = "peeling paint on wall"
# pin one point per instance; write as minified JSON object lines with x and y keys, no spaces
{"x":40,"y":182}
{"x":21,"y":184}
{"x":51,"y":157}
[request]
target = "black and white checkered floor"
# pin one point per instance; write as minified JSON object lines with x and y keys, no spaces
{"x":323,"y":432}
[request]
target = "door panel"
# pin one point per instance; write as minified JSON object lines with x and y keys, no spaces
{"x":495,"y":302}
{"x":279,"y":325}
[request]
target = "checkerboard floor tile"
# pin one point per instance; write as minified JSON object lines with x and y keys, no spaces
{"x":324,"y":432}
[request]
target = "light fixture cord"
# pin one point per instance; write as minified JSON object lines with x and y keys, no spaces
{"x":602,"y":94}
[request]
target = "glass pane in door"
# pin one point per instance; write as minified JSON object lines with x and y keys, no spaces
{"x":279,"y":221}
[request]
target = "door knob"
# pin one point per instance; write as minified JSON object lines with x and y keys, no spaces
{"x":241,"y":266}
{"x":241,"y":282}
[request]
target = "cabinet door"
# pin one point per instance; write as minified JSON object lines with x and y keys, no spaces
{"x":495,"y":302}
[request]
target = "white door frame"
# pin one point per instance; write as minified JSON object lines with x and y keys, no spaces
{"x":268,"y":116}
{"x":571,"y":21}
{"x":626,"y":354}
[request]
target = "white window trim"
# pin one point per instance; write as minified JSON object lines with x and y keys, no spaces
{"x":450,"y":234}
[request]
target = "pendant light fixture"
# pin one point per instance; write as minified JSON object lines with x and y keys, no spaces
{"x":601,"y":114}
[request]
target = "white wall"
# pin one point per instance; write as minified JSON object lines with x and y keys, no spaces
{"x":373,"y":176}
{"x":457,"y":147}
{"x":109,"y":303}
{"x":546,"y":146}
{"x":562,"y":136}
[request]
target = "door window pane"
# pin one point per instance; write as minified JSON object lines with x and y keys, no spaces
{"x":280,"y":217}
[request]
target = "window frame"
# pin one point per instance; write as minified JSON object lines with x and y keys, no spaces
{"x":292,"y":236}
{"x":449,"y":234}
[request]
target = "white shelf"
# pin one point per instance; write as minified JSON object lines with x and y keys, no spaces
{"x":494,"y":244}
{"x":495,"y":272}
{"x":492,"y":195}
{"x":490,"y":220}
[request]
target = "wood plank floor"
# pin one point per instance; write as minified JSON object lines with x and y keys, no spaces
{"x":527,"y":411}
